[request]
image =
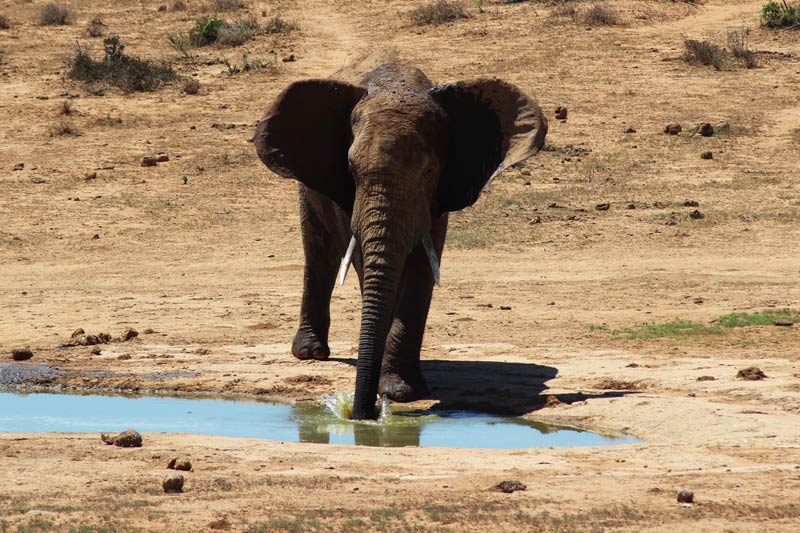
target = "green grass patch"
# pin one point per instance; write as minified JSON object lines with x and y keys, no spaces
{"x":677,"y":328}
{"x":759,"y":318}
{"x":780,"y":15}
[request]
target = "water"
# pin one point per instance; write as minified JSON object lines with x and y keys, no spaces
{"x":44,"y":412}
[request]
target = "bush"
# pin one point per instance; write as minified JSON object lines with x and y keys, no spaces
{"x":205,"y":30}
{"x":179,"y":5}
{"x":279,"y":25}
{"x":181,"y":42}
{"x":191,"y":86}
{"x":54,"y":15}
{"x":783,"y":15}
{"x":5,"y":23}
{"x":237,"y":33}
{"x":703,"y":53}
{"x":226,"y":5}
{"x":128,"y":73}
{"x":739,"y":46}
{"x":597,"y":15}
{"x":63,"y":128}
{"x":65,"y":108}
{"x":437,"y":12}
{"x":96,"y":27}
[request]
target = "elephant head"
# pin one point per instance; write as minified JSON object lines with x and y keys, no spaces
{"x":395,"y":153}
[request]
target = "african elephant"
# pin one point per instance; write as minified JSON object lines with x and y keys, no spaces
{"x":380,"y":164}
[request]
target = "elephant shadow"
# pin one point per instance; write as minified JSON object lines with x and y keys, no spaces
{"x":494,"y":387}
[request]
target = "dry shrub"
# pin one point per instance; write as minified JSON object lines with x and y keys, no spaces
{"x":63,"y":128}
{"x":65,"y":108}
{"x":279,"y":25}
{"x":191,"y":86}
{"x":597,"y":15}
{"x":96,"y":27}
{"x":5,"y":23}
{"x":437,"y":12}
{"x":54,"y":15}
{"x":226,"y":5}
{"x":739,"y":46}
{"x":703,"y":53}
{"x":237,"y":33}
{"x":179,"y":5}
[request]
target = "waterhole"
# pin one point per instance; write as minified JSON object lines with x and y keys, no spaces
{"x":309,"y":422}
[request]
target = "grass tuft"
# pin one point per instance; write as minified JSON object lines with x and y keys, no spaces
{"x":191,"y":86}
{"x":703,"y":53}
{"x":437,"y":12}
{"x":96,"y":27}
{"x":63,"y":128}
{"x":279,"y":25}
{"x":130,"y":74}
{"x":55,"y":15}
{"x":739,"y":46}
{"x":759,"y":318}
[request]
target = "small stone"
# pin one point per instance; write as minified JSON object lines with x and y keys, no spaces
{"x":685,"y":496}
{"x":288,"y":59}
{"x":95,"y":236}
{"x":96,"y":351}
{"x":784,"y":323}
{"x":505,"y":308}
{"x":90,"y":176}
{"x":173,"y":483}
{"x":708,"y":154}
{"x":673,"y":129}
{"x":162,"y":8}
{"x":696,"y":215}
{"x":130,"y":334}
{"x":180,"y":463}
{"x":752,"y":373}
{"x":38,"y":181}
{"x":78,"y":332}
{"x":535,"y":220}
{"x":162,"y":158}
{"x":630,"y":130}
{"x":706,"y":378}
{"x":691,"y":203}
{"x":561,"y":112}
{"x":148,"y":331}
{"x":723,"y":127}
{"x":21,"y":354}
{"x":129,"y":438}
{"x":509,"y":486}
{"x":124,"y":357}
{"x":630,"y":206}
{"x":19,"y":166}
{"x":149,"y":161}
{"x":603,"y":207}
{"x":705,"y":129}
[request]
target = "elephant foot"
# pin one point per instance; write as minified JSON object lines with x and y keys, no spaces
{"x":403,"y":382}
{"x":307,"y":345}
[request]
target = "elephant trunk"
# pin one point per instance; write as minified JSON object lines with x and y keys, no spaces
{"x":385,"y":244}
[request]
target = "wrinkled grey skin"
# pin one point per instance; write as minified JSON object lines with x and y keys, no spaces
{"x":385,"y":160}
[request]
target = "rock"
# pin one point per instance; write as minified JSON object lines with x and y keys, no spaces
{"x":100,"y":338}
{"x":173,"y":483}
{"x":162,"y":8}
{"x":561,"y":112}
{"x":691,"y":203}
{"x":535,"y":220}
{"x":630,"y":130}
{"x":19,"y":166}
{"x":602,"y":207}
{"x":708,"y":154}
{"x":162,"y":158}
{"x":38,"y":181}
{"x":509,"y":486}
{"x":706,"y":378}
{"x":219,"y":525}
{"x":96,"y":351}
{"x":149,"y":161}
{"x":129,"y":438}
{"x":288,"y":59}
{"x":705,"y":129}
{"x":124,"y":357}
{"x":148,"y":331}
{"x":130,"y":334}
{"x":723,"y":127}
{"x":180,"y":463}
{"x":784,"y":323}
{"x":752,"y":373}
{"x":673,"y":129}
{"x":685,"y":496}
{"x":78,"y":332}
{"x":21,"y":354}
{"x":696,"y":215}
{"x":90,"y":176}
{"x":630,"y":206}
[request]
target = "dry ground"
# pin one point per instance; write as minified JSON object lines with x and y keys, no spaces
{"x":212,"y":265}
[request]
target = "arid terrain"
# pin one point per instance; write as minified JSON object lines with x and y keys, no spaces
{"x":593,"y":284}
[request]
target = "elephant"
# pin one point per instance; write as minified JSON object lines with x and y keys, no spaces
{"x":380,"y":164}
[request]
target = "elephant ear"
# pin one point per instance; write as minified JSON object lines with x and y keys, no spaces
{"x":305,"y":136}
{"x":492,"y":125}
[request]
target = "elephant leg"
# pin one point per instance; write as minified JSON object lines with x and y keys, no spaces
{"x":401,"y":376}
{"x":323,"y":245}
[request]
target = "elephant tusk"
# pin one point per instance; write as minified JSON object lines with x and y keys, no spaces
{"x":346,"y":260}
{"x":427,"y":243}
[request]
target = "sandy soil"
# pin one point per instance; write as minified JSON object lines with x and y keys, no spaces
{"x":208,"y":270}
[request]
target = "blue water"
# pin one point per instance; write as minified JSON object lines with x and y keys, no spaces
{"x":44,"y":412}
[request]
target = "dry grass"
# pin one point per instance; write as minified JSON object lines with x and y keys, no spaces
{"x":65,"y":108}
{"x":226,"y":5}
{"x":598,"y":15}
{"x":703,"y":53}
{"x":55,"y":15}
{"x":191,"y":86}
{"x":437,"y":12}
{"x":96,"y":27}
{"x":739,"y":46}
{"x":63,"y":128}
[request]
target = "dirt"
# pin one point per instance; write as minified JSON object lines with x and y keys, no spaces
{"x":196,"y":250}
